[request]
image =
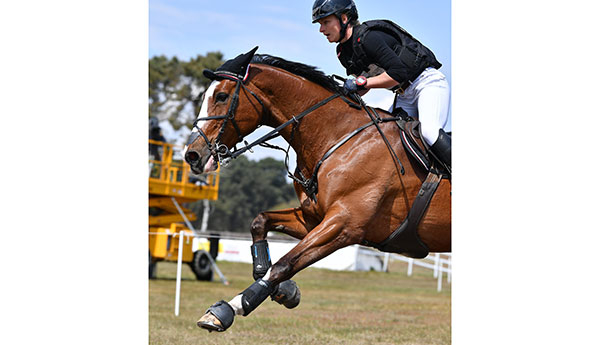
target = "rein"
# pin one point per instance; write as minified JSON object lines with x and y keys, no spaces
{"x":224,"y":154}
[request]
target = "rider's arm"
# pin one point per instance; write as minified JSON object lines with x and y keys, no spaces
{"x":377,"y":46}
{"x":381,"y":81}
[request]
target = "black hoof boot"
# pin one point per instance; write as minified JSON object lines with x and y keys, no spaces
{"x":287,"y":293}
{"x":261,"y":259}
{"x":220,"y":310}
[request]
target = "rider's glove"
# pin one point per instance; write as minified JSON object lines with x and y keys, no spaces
{"x":352,"y":85}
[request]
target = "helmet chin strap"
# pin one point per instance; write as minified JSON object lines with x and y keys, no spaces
{"x":343,"y":29}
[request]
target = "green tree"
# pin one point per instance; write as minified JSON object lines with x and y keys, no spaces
{"x":247,"y":188}
{"x":176,"y":87}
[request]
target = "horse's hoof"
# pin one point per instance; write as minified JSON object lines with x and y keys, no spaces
{"x":209,"y":322}
{"x":218,"y":317}
{"x":287,"y":293}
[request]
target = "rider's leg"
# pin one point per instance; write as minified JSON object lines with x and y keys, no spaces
{"x":433,"y":105}
{"x":427,"y":99}
{"x":442,"y":148}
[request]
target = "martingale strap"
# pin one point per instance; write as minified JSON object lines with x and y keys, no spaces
{"x":275,"y":132}
{"x":311,"y":185}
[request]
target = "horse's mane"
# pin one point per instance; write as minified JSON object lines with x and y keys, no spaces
{"x":309,"y":72}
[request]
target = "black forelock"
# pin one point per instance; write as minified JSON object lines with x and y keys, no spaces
{"x":309,"y":72}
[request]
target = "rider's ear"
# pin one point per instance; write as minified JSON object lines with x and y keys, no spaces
{"x":344,"y":17}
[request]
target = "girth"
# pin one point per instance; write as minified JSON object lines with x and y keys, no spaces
{"x":405,"y":240}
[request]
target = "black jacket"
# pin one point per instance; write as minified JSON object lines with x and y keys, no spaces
{"x":381,"y":45}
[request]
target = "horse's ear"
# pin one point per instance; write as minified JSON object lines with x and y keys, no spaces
{"x":238,"y":67}
{"x":251,"y":53}
{"x":245,"y":61}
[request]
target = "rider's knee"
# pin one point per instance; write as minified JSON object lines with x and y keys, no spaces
{"x":430,"y":132}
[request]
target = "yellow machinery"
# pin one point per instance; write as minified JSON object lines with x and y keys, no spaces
{"x":170,"y":185}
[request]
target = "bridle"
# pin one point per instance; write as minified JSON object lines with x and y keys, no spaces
{"x":218,"y":150}
{"x":224,"y":154}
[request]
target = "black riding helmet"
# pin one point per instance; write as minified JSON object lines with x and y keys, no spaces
{"x":324,"y":8}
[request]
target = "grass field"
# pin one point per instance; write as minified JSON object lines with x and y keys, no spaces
{"x":336,"y":308}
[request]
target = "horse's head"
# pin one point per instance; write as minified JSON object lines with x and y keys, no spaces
{"x":229,"y":112}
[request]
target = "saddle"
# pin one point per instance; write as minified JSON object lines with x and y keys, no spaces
{"x":405,"y":239}
{"x":416,"y":147}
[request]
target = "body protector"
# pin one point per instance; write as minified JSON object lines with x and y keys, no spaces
{"x":414,"y":55}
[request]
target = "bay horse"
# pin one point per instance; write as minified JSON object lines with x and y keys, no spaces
{"x":359,"y":192}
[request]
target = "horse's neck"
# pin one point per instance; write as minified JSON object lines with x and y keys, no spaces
{"x":316,"y":132}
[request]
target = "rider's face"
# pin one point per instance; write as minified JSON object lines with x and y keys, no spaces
{"x":330,"y":27}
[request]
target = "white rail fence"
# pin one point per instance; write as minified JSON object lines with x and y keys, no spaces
{"x":439,"y":263}
{"x":364,"y":259}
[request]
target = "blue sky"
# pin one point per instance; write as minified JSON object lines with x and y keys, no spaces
{"x":186,"y":28}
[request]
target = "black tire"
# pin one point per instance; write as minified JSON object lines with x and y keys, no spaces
{"x":152,"y":266}
{"x":201,"y":266}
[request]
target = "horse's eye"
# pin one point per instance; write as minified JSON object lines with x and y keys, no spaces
{"x":221,"y":97}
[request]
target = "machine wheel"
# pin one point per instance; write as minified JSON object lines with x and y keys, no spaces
{"x":201,"y":266}
{"x":152,"y":266}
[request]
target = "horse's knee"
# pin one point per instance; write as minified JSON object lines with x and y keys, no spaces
{"x":259,"y":227}
{"x":280,"y":271}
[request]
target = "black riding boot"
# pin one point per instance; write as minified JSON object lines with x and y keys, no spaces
{"x":442,"y":149}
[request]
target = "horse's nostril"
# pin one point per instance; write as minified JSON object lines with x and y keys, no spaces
{"x":192,"y":157}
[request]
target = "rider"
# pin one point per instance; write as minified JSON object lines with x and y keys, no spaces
{"x":383,"y":55}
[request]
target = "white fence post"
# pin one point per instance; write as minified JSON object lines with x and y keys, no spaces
{"x":440,"y":274}
{"x":436,"y":264}
{"x":410,"y":265}
{"x":386,"y":261}
{"x":179,"y":263}
{"x":449,"y":270}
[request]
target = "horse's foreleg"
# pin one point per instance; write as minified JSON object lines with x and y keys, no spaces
{"x":289,"y":221}
{"x":323,"y":240}
{"x":329,"y":236}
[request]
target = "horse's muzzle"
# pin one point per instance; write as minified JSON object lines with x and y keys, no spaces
{"x":194,"y":159}
{"x":200,"y":163}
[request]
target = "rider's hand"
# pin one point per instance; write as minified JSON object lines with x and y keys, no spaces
{"x":352,"y":85}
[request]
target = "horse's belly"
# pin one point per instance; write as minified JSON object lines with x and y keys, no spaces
{"x":435,"y":228}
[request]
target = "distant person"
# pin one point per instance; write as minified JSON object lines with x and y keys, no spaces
{"x":155,"y":134}
{"x":380,"y":54}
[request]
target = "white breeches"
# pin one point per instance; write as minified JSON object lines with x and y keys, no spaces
{"x":427,"y":99}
